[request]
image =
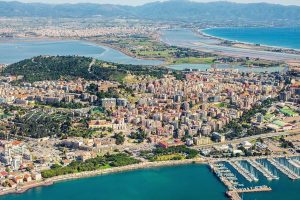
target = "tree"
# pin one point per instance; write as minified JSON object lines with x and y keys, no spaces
{"x":120,"y":138}
{"x":140,"y":136}
{"x":93,"y":88}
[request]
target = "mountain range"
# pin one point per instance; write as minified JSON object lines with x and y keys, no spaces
{"x":174,"y":10}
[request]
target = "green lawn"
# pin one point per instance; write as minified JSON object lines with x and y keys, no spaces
{"x":288,"y":112}
{"x":175,"y":156}
{"x":194,"y":60}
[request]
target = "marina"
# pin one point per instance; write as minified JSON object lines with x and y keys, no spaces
{"x":284,"y":169}
{"x":294,"y":162}
{"x":262,"y":169}
{"x":231,"y":181}
{"x":255,"y":175}
{"x":244,"y":172}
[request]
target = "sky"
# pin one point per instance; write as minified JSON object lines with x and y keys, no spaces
{"x":140,"y":2}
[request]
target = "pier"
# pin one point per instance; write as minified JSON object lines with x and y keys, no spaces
{"x":294,"y":162}
{"x":245,"y":173}
{"x":262,"y":169}
{"x":225,"y":175}
{"x":297,"y":161}
{"x":233,"y":195}
{"x":284,"y":169}
{"x":263,"y":188}
{"x":230,"y":181}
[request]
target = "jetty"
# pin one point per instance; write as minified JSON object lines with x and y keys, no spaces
{"x":262,"y":169}
{"x":294,"y":162}
{"x":297,"y":161}
{"x":234,"y":194}
{"x":225,"y":176}
{"x":284,"y":169}
{"x":244,"y":172}
{"x":263,"y":188}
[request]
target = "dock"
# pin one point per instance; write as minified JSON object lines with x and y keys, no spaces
{"x":245,"y":173}
{"x":295,"y":162}
{"x":263,"y":188}
{"x":228,"y":179}
{"x":234,"y":194}
{"x":284,"y":169}
{"x":262,"y":169}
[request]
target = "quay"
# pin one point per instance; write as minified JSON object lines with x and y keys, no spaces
{"x":292,"y":175}
{"x":262,"y":169}
{"x":248,"y":175}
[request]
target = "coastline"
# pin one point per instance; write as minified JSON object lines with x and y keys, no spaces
{"x":124,"y":51}
{"x":251,"y":44}
{"x":87,"y":174}
{"x":104,"y":46}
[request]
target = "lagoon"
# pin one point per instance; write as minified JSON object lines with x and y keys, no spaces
{"x":12,"y":51}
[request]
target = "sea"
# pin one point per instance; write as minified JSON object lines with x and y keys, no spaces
{"x":192,"y":182}
{"x":287,"y":37}
{"x":190,"y":39}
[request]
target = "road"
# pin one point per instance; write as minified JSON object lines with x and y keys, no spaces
{"x":91,"y":64}
{"x":267,"y":135}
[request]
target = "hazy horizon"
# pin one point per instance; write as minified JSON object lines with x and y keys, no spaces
{"x":141,"y":2}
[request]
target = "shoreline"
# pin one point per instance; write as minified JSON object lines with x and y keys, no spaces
{"x":251,"y":44}
{"x":124,"y":51}
{"x":89,"y":174}
{"x":104,"y":46}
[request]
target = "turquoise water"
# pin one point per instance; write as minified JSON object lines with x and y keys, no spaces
{"x":281,"y":37}
{"x":192,"y":182}
{"x":165,"y":183}
{"x":284,"y":188}
{"x":14,"y":51}
{"x":189,"y":39}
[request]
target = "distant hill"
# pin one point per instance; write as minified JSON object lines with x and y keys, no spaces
{"x":42,"y":68}
{"x":18,"y":9}
{"x":170,"y":10}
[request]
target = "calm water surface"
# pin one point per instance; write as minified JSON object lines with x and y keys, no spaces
{"x":192,"y":182}
{"x":16,"y":50}
{"x":281,"y":37}
{"x":189,"y":39}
